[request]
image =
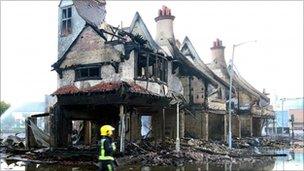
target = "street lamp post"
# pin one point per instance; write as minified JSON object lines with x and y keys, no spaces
{"x":177,"y":144}
{"x":282,"y":128}
{"x":230,"y":91}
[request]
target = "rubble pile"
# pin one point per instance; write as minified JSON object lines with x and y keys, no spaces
{"x":281,"y":142}
{"x":12,"y":144}
{"x":192,"y":151}
{"x":74,"y":154}
{"x":151,"y":152}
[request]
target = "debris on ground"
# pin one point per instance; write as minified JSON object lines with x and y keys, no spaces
{"x":192,"y":151}
{"x":13,"y":144}
{"x":151,"y":152}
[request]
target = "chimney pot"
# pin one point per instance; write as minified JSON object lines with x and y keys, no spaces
{"x":164,"y":13}
{"x":164,"y":25}
{"x":217,"y":44}
{"x":167,"y":11}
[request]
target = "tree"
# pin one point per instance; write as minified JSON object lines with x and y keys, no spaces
{"x":3,"y":107}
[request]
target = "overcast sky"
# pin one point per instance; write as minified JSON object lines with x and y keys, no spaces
{"x":275,"y":62}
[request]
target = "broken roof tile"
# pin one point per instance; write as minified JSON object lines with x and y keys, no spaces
{"x":104,"y":87}
{"x":135,"y":88}
{"x":69,"y":89}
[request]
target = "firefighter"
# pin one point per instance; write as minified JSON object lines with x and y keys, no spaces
{"x":106,"y":149}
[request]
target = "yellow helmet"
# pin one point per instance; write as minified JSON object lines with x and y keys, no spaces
{"x":106,"y":130}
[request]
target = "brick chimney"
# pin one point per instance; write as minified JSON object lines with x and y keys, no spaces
{"x":164,"y":29}
{"x":218,"y":57}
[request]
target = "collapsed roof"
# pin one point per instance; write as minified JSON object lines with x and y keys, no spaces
{"x":93,"y":12}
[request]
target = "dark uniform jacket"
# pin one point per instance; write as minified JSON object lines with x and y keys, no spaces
{"x":106,"y":142}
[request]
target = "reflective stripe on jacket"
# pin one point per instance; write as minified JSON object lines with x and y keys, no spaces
{"x":102,"y":155}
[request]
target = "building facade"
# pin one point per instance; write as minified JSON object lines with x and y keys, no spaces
{"x":122,"y":76}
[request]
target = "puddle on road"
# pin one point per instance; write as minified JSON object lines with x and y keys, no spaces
{"x":41,"y":167}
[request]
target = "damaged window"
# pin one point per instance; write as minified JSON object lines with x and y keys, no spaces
{"x":152,"y":66}
{"x":66,"y":24}
{"x":146,"y":126}
{"x":85,"y":73}
{"x":141,"y":66}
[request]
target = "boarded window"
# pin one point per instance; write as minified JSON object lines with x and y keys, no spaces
{"x":86,"y":73}
{"x":66,"y":23}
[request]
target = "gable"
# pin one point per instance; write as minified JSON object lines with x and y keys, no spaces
{"x":185,"y":50}
{"x":139,"y":27}
{"x":244,"y":98}
{"x":90,"y":48}
{"x":138,"y":30}
{"x":188,"y":50}
{"x":64,"y":3}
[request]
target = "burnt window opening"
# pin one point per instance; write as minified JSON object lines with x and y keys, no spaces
{"x":87,"y":73}
{"x":66,"y":21}
{"x":141,"y":66}
{"x":152,"y":66}
{"x":146,"y":126}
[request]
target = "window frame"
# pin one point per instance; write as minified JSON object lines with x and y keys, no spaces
{"x":78,"y":76}
{"x":159,"y":68}
{"x":66,"y":20}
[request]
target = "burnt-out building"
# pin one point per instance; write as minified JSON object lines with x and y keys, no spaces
{"x":125,"y":78}
{"x":251,"y":108}
{"x":209,"y":107}
{"x":109,"y":75}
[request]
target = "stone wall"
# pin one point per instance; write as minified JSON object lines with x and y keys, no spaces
{"x":68,"y":78}
{"x":90,"y":48}
{"x":127,"y":68}
{"x":154,"y":87}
